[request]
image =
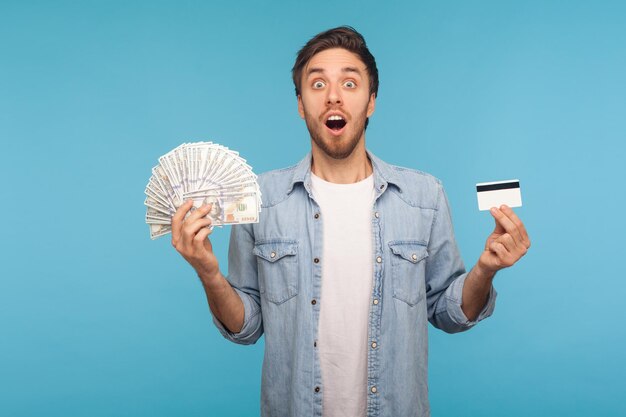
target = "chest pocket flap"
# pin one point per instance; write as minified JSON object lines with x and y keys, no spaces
{"x":411,"y":251}
{"x":278,"y":269}
{"x":408,"y":273}
{"x":274,"y":250}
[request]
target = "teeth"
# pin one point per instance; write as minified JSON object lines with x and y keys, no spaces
{"x":335,"y":117}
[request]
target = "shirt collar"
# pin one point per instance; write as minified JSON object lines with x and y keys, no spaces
{"x":384,"y":174}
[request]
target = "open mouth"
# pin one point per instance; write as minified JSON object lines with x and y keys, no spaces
{"x":335,"y":123}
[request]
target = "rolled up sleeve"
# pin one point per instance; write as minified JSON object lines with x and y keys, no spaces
{"x":445,"y":276}
{"x":242,"y":276}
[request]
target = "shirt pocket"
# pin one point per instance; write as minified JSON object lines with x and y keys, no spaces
{"x":407,"y":270}
{"x":277,"y":262}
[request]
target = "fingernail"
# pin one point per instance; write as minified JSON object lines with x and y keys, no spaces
{"x":494,"y":210}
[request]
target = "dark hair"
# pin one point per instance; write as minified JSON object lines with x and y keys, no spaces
{"x":344,"y":37}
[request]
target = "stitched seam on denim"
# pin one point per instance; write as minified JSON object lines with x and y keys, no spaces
{"x":455,"y":301}
{"x":408,"y":202}
{"x":273,"y":173}
{"x":421,"y":297}
{"x":275,"y":240}
{"x":467,"y":324}
{"x":416,"y":171}
{"x":408,"y":242}
{"x":440,"y":190}
{"x":253,"y":314}
{"x":248,"y":229}
{"x":283,"y":198}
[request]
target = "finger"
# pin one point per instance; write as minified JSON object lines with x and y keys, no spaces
{"x":501,"y":253}
{"x":200,"y":238}
{"x":516,"y":249}
{"x":509,"y":243}
{"x":177,"y":220}
{"x":507,"y":224}
{"x":202,"y":211}
{"x":518,"y":223}
{"x":190,"y":230}
{"x":499,"y":229}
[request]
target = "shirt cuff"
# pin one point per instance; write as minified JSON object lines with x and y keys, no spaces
{"x":455,"y":297}
{"x":250,"y":331}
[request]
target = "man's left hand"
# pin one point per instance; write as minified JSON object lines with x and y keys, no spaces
{"x":507,"y":243}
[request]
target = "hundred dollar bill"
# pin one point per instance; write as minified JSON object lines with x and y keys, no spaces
{"x":204,"y":172}
{"x":158,"y":230}
{"x":158,"y":215}
{"x":153,"y":204}
{"x":166,"y":185}
{"x":246,"y":187}
{"x":157,"y":195}
{"x":233,"y":209}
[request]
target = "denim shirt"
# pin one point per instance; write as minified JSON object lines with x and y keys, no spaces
{"x":275,"y":266}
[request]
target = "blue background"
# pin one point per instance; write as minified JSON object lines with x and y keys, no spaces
{"x":98,"y":320}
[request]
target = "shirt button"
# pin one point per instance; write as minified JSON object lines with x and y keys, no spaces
{"x":376,"y":214}
{"x":313,"y":302}
{"x":316,"y":260}
{"x":317,"y":215}
{"x":375,"y":301}
{"x":379,"y":259}
{"x":414,"y":257}
{"x":374,"y":390}
{"x":317,"y":389}
{"x":315,"y":344}
{"x":382,"y":186}
{"x":374,"y":345}
{"x":273,"y":255}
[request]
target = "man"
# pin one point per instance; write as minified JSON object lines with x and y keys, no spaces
{"x":349,"y":261}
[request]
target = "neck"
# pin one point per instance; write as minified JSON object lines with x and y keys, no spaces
{"x":354,"y":168}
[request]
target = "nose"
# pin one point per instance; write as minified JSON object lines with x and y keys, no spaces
{"x":334,"y":95}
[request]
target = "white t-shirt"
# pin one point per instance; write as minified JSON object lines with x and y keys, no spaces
{"x":347,"y":275}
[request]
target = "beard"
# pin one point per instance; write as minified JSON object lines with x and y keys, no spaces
{"x":337,"y":147}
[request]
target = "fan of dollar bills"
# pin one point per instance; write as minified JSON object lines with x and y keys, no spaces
{"x":207,"y":173}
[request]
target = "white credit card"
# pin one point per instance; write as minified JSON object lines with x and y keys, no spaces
{"x":494,"y":194}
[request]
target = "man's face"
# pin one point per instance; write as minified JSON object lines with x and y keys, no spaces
{"x":335,"y":101}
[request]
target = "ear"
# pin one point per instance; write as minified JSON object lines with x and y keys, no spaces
{"x":300,"y":106}
{"x":371,"y":105}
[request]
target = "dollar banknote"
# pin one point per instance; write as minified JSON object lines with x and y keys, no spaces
{"x":207,"y":173}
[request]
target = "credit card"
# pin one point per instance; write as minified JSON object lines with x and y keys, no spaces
{"x":494,"y":194}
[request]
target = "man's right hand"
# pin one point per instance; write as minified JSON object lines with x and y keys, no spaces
{"x":190,"y":238}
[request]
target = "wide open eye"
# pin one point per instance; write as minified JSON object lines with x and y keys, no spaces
{"x":350,"y":84}
{"x":318,"y":84}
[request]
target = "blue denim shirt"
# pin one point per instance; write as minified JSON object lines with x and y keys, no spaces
{"x":276,"y":268}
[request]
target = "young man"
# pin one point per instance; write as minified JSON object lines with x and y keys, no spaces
{"x":351,"y":258}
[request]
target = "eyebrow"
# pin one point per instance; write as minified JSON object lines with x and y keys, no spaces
{"x":316,"y":70}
